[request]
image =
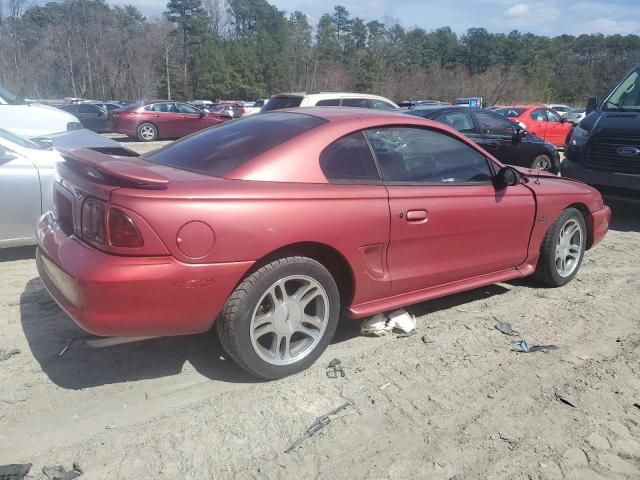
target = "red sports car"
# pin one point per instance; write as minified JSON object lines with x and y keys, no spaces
{"x":148,"y":121}
{"x":541,"y":121}
{"x":275,"y":225}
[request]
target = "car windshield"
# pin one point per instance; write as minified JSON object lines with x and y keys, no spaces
{"x":18,"y":140}
{"x":510,"y":112}
{"x":626,"y":96}
{"x":279,"y":103}
{"x":10,"y":98}
{"x":218,"y":150}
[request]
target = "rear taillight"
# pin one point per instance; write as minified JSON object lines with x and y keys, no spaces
{"x":93,"y":220}
{"x":122,"y":231}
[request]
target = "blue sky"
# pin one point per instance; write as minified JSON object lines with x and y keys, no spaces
{"x":548,"y":17}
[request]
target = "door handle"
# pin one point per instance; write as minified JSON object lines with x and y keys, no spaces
{"x":417,"y":216}
{"x":156,"y":115}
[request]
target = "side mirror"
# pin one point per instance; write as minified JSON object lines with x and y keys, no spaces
{"x":563,"y":120}
{"x":507,"y":177}
{"x":592,"y":104}
{"x":201,"y":114}
{"x":519,"y":134}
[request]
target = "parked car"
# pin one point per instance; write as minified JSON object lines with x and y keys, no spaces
{"x":328,"y":99}
{"x":504,"y":139}
{"x":541,"y":121}
{"x":27,"y":170}
{"x":149,"y":121}
{"x":604,"y":149}
{"x":250,"y":108}
{"x":30,"y":119}
{"x":108,"y":106}
{"x":276,"y":225}
{"x":576,"y":115}
{"x":92,"y":116}
{"x":561,"y":109}
{"x":411,"y":104}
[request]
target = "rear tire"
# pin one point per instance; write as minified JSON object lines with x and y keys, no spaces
{"x":562,"y":249}
{"x":147,"y":132}
{"x":281,"y":318}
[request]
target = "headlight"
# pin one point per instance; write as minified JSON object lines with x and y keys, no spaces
{"x":579,"y":136}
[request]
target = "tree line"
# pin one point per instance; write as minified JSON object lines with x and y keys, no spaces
{"x":249,"y":49}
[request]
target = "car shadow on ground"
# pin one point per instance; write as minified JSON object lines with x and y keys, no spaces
{"x":625,"y":216}
{"x":17,"y":253}
{"x":49,"y":331}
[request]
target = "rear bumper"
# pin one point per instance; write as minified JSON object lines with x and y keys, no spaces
{"x":131,"y":296}
{"x":623,"y":182}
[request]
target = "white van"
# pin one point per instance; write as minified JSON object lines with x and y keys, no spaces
{"x":30,"y":119}
{"x":328,"y":99}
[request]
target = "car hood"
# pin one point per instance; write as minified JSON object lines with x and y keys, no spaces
{"x":613,"y":123}
{"x":34,"y":119}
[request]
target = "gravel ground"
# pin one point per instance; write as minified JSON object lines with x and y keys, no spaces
{"x":452,"y":402}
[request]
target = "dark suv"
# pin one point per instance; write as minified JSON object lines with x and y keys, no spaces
{"x":603,"y":150}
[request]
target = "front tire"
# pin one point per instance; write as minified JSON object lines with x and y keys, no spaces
{"x":280,"y":319}
{"x":562,"y":249}
{"x":147,"y":132}
{"x":542,"y":162}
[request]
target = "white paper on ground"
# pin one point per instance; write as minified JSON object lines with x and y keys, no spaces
{"x":382,"y":323}
{"x":402,"y":320}
{"x":376,"y":325}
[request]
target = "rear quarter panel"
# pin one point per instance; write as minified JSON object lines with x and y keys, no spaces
{"x":252,"y":219}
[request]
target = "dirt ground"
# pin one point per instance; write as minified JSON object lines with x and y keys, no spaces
{"x":452,"y":402}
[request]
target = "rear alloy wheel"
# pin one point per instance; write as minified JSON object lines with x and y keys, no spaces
{"x":542,"y":162}
{"x":562,"y":249}
{"x":147,"y":132}
{"x":281,"y":318}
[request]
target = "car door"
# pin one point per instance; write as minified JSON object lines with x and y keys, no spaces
{"x":499,"y":138}
{"x":92,"y":116}
{"x":448,"y":220}
{"x":557,"y":128}
{"x":537,"y":122}
{"x":166,"y":118}
{"x":191,"y":119}
{"x":19,"y":196}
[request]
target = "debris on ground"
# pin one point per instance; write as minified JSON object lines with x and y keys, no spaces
{"x":381,"y":323}
{"x":58,"y":472}
{"x":402,"y":320}
{"x":523,"y":346}
{"x":376,"y":325}
{"x":409,"y":334}
{"x":7,"y":354}
{"x":67,"y":346}
{"x":335,"y":369}
{"x":318,"y":425}
{"x":507,"y":329}
{"x":637,"y":404}
{"x":384,"y":385}
{"x":566,"y":399}
{"x":15,"y":471}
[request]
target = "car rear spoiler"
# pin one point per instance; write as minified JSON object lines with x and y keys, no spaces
{"x":113,"y":170}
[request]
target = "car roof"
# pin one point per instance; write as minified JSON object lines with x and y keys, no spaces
{"x":329,"y":95}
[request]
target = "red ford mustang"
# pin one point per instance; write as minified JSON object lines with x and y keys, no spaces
{"x":149,"y":121}
{"x":274,"y":225}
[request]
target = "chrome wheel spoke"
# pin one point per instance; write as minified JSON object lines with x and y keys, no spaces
{"x":289,"y":320}
{"x":569,"y":248}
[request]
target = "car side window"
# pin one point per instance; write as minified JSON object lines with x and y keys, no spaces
{"x":380,"y":105}
{"x":539,"y":115}
{"x":184,"y":108}
{"x":461,"y":121}
{"x":349,"y":160}
{"x":82,"y":108}
{"x":553,"y":116}
{"x":355,"y":102}
{"x":163,"y":107}
{"x":495,"y":125}
{"x":420,"y":155}
{"x":331,"y":102}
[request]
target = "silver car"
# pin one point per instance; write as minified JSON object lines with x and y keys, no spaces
{"x":27,"y":171}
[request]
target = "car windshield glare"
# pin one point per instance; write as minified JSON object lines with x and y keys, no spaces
{"x":627,"y":95}
{"x":218,"y":150}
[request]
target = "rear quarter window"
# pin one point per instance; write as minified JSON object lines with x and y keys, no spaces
{"x":218,"y":150}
